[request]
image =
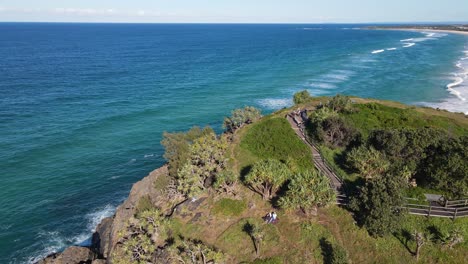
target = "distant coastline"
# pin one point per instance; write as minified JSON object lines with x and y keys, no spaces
{"x":454,"y":29}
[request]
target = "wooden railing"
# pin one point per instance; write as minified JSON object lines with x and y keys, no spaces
{"x":456,"y":203}
{"x":451,"y":209}
{"x":436,"y":211}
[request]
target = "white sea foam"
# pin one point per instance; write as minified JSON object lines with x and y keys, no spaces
{"x":377,"y":51}
{"x":392,"y":49}
{"x":458,"y":88}
{"x":148,"y":156}
{"x":323,"y":85}
{"x":406,"y":40}
{"x":409,"y":45}
{"x":94,"y":218}
{"x":275,"y":104}
{"x":54,"y":241}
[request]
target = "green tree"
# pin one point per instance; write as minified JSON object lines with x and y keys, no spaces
{"x":226,"y":182}
{"x":306,"y":191}
{"x":369,"y":162}
{"x":421,"y":238}
{"x":302,"y":97}
{"x":339,"y":255}
{"x":377,"y":205}
{"x":405,"y":148}
{"x":446,"y":168}
{"x":255,"y":232}
{"x":267,"y":176}
{"x":177,"y":146}
{"x":340,"y":104}
{"x":142,"y":235}
{"x":326,"y":125}
{"x":206,"y":159}
{"x":336,"y":132}
{"x":195,"y":252}
{"x":241,"y":117}
{"x":321,"y":114}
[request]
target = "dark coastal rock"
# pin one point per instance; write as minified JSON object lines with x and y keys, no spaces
{"x":71,"y":255}
{"x":106,"y":236}
{"x":101,"y":237}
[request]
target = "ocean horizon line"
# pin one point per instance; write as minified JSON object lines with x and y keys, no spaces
{"x":242,"y":23}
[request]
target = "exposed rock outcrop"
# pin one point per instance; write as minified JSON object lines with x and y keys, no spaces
{"x":106,"y":236}
{"x":71,"y":255}
{"x":107,"y":232}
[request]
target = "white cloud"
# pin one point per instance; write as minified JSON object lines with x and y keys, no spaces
{"x":84,"y":11}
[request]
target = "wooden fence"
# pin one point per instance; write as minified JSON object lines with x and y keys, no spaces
{"x":451,"y":209}
{"x":437,"y":211}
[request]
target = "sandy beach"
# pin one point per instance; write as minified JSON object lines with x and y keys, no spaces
{"x":428,"y":30}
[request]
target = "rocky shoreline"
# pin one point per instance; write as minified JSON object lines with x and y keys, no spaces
{"x":106,"y":236}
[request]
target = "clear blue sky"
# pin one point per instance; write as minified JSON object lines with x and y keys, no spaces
{"x":227,"y":11}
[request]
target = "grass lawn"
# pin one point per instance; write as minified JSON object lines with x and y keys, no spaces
{"x":370,"y":116}
{"x":273,"y":137}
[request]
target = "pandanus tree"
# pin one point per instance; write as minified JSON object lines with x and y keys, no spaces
{"x":369,"y":162}
{"x":306,"y":191}
{"x":421,"y":239}
{"x":256,"y":234}
{"x":267,"y":176}
{"x":241,"y":117}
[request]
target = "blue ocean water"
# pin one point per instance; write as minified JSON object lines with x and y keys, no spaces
{"x":83,"y":106}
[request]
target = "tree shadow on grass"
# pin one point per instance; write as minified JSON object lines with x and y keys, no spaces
{"x":327,"y":250}
{"x":280,"y":193}
{"x":404,"y":236}
{"x":249,"y":229}
{"x":435,"y":232}
{"x":244,"y":171}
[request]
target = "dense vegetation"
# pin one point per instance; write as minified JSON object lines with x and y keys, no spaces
{"x":302,"y":97}
{"x":220,"y":187}
{"x":373,"y":140}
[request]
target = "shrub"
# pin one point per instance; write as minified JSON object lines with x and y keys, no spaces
{"x":240,"y":117}
{"x":306,"y":191}
{"x":377,"y":205}
{"x":446,"y":167}
{"x":144,"y":204}
{"x":267,"y":176}
{"x":302,"y":97}
{"x":177,"y":147}
{"x":327,"y":126}
{"x":226,"y":182}
{"x":205,"y":160}
{"x":340,"y":104}
{"x":339,"y":255}
{"x":369,"y":162}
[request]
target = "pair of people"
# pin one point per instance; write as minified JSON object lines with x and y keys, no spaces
{"x":271,"y":217}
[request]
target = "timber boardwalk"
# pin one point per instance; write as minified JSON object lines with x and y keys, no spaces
{"x":452,"y":209}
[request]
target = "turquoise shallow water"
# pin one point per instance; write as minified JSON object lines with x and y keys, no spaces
{"x":83,"y":106}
